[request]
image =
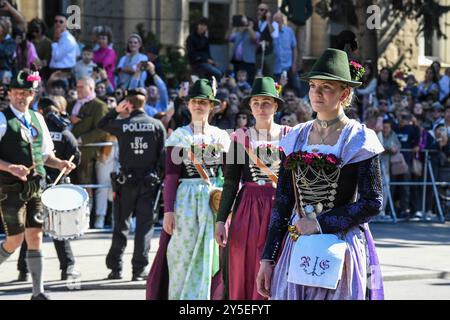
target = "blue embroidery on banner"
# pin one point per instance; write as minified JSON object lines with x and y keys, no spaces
{"x":316,"y":272}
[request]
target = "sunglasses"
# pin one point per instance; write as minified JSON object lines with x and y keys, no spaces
{"x":262,"y":9}
{"x":59,"y":21}
{"x":242,"y":117}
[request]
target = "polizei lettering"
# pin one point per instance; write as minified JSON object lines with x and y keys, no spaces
{"x":138,"y":127}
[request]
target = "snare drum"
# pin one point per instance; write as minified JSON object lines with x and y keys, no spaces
{"x":66,"y":209}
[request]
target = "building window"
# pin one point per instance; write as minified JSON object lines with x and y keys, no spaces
{"x":429,"y":48}
{"x":52,"y":8}
{"x":218,"y":14}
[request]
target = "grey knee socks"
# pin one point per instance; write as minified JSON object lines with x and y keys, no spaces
{"x":35,"y":261}
{"x":3,"y":254}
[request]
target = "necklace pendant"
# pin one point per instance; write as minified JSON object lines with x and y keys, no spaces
{"x":319,"y":208}
{"x":323,"y":124}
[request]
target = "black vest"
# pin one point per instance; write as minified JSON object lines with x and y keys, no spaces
{"x":266,"y":36}
{"x":139,"y":139}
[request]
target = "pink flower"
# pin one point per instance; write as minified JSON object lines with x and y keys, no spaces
{"x":355,"y":64}
{"x":308,"y":158}
{"x":33,"y":78}
{"x":278,"y":88}
{"x":331,"y":159}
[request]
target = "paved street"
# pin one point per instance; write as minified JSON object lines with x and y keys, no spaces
{"x":415,"y":261}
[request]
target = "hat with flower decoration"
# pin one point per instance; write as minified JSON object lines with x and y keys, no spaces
{"x":333,"y":65}
{"x":266,"y":87}
{"x":26,"y":79}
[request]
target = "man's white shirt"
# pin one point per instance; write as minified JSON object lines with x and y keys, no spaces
{"x":47,"y":142}
{"x":64,"y":52}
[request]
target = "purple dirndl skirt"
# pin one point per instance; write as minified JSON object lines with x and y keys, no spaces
{"x":361,"y":278}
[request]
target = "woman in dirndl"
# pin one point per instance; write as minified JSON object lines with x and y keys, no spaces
{"x":334,"y":163}
{"x":251,"y":212}
{"x":192,"y":254}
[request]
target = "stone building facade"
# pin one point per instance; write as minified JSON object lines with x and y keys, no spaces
{"x":398,"y":43}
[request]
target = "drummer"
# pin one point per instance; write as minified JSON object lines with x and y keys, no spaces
{"x":25,"y":148}
{"x":66,"y":145}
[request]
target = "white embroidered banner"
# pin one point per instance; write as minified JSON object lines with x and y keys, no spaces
{"x":317,"y":261}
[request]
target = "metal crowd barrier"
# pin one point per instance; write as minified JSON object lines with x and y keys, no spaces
{"x":108,"y":186}
{"x":97,"y":145}
{"x":427,"y":170}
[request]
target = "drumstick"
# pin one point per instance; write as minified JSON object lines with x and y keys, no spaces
{"x":63,"y":171}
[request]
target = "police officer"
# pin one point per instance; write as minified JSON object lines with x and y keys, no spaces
{"x":25,"y":147}
{"x":66,"y":145}
{"x":141,"y":157}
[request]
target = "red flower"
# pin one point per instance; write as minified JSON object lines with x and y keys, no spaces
{"x":331,"y":159}
{"x":279,"y":88}
{"x":399,"y":75}
{"x":308,"y":158}
{"x":355,"y":64}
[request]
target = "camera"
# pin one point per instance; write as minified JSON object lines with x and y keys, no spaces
{"x":144,"y":65}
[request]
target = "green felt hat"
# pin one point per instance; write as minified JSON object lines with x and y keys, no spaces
{"x":202,"y":89}
{"x":25,"y":79}
{"x":332,"y":65}
{"x":265,"y":87}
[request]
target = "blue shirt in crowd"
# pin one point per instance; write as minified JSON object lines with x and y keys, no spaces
{"x":163,"y":102}
{"x":283,"y":46}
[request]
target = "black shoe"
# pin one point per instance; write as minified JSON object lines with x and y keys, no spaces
{"x":403,"y":215}
{"x":41,"y":296}
{"x":23,"y":277}
{"x":115,"y":275}
{"x":70,"y":273}
{"x":139,"y":276}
